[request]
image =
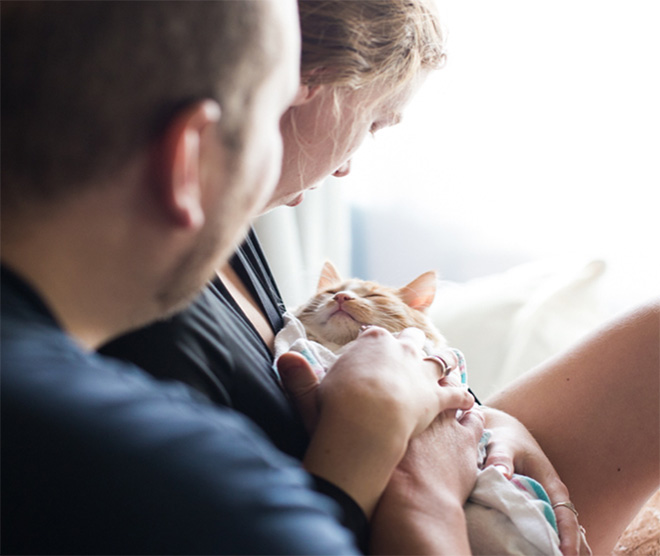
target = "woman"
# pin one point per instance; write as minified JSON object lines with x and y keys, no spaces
{"x":361,"y":62}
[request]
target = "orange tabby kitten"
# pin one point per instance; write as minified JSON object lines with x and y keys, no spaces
{"x":334,"y":315}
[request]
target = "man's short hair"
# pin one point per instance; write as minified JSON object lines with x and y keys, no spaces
{"x":85,"y":85}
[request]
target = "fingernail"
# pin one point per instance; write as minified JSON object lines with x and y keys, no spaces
{"x":502,"y":469}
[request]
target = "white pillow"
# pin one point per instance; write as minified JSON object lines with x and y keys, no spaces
{"x":508,"y":323}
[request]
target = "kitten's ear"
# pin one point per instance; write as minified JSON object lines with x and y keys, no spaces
{"x":329,"y":277}
{"x":420,"y":293}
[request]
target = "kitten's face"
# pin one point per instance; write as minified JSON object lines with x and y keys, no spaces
{"x":340,"y":307}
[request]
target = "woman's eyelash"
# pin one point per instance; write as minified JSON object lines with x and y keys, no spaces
{"x":380,"y":124}
{"x":374,"y":128}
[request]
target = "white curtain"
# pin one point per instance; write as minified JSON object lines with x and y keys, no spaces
{"x":297,"y":241}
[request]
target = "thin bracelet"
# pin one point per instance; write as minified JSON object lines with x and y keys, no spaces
{"x":476,"y":400}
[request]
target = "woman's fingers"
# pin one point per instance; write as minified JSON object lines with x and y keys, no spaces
{"x":567,"y":519}
{"x":567,"y":523}
{"x":542,"y":470}
{"x":500,"y":458}
{"x":454,"y":397}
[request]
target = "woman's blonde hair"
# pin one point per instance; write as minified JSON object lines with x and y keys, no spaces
{"x":359,"y":43}
{"x":374,"y":45}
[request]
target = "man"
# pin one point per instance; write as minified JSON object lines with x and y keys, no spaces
{"x":139,"y":138}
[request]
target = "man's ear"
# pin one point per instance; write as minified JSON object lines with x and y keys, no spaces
{"x":179,"y":185}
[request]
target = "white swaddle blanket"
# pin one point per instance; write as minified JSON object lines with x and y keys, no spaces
{"x":503,"y":516}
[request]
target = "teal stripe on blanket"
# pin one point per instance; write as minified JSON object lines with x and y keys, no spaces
{"x":536,"y":492}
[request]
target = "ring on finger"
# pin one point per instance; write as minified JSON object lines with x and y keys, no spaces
{"x":568,"y":504}
{"x":446,"y":367}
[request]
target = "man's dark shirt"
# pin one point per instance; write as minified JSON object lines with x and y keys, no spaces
{"x":213,"y":347}
{"x":100,"y":458}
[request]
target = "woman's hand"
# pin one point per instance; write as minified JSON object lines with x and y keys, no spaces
{"x":513,"y":448}
{"x":421,"y":511}
{"x":362,"y":415}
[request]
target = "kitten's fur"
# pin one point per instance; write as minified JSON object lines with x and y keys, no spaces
{"x":334,"y":315}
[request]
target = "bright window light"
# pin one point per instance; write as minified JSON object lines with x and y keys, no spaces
{"x":539,"y":138}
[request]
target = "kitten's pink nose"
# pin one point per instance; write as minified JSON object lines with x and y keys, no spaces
{"x":341,"y":297}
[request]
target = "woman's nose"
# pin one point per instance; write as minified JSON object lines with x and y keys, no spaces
{"x":343,"y":170}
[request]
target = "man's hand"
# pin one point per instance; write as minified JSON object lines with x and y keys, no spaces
{"x":380,"y":369}
{"x":421,"y":511}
